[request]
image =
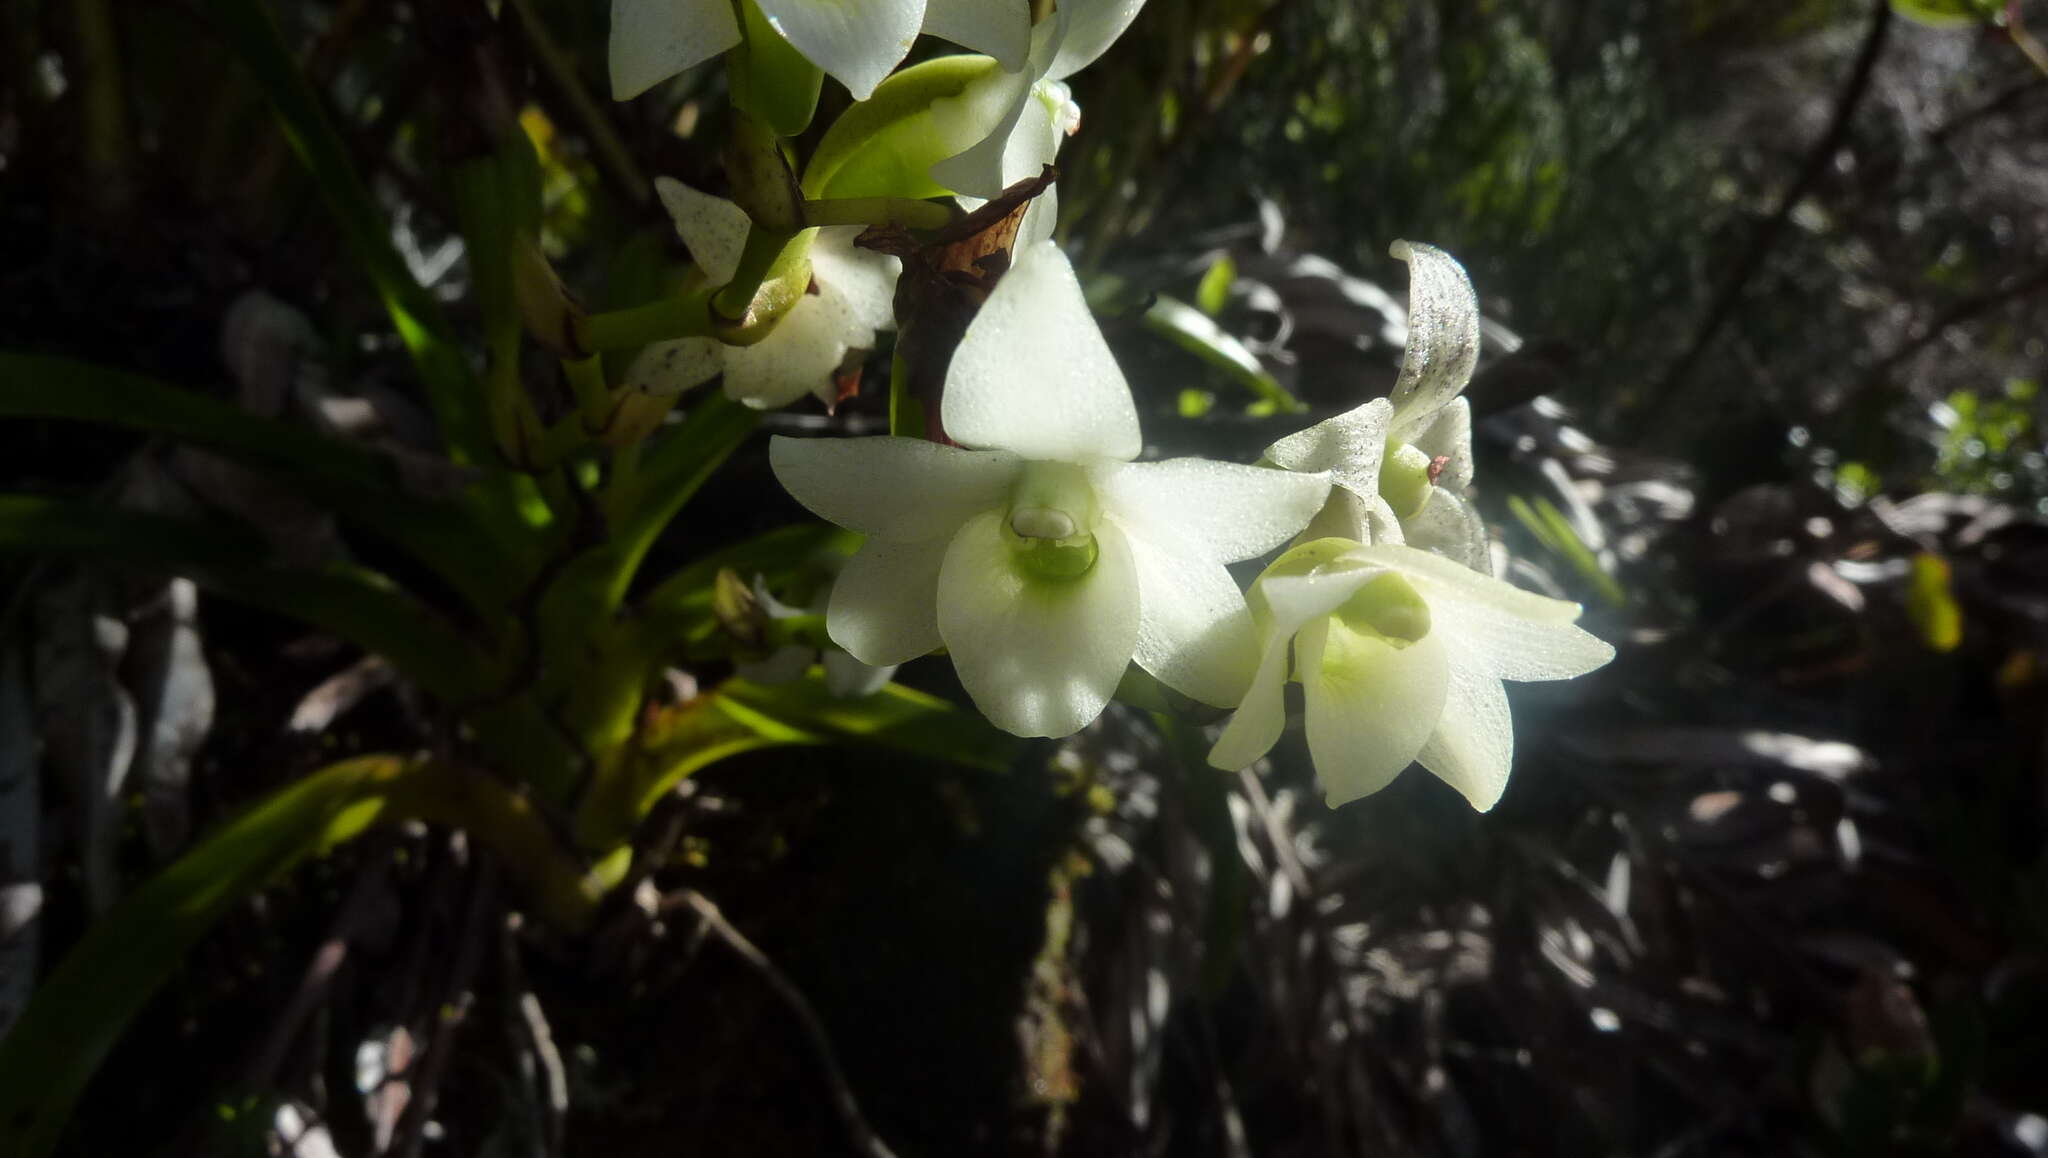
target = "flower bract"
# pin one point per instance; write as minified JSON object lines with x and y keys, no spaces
{"x":1400,"y":654}
{"x":1037,"y":552}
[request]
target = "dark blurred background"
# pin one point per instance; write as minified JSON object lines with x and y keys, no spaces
{"x":1766,"y":287}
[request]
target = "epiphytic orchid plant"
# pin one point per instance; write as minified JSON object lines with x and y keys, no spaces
{"x":1007,"y":519}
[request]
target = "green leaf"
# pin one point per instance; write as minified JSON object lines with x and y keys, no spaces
{"x":249,"y":28}
{"x":678,"y":613}
{"x":885,"y":146}
{"x":360,"y":605}
{"x":82,"y":1007}
{"x":670,"y":473}
{"x":1214,"y":291}
{"x":739,"y":716}
{"x":1191,"y":330}
{"x":1554,"y":531}
{"x":1931,"y":603}
{"x":360,"y":485}
{"x":1947,"y":13}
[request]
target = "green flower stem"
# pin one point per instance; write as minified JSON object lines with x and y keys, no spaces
{"x":586,"y":383}
{"x":685,"y":316}
{"x":106,"y":107}
{"x":773,"y":273}
{"x":769,"y":79}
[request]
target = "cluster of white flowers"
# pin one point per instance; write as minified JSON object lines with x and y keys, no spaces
{"x":1032,"y":545}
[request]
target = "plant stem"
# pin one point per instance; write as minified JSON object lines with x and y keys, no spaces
{"x":611,"y":150}
{"x":686,"y":316}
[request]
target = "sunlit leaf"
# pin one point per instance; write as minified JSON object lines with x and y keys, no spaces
{"x":679,"y":612}
{"x":1931,"y":603}
{"x":1191,"y":330}
{"x":1214,"y":291}
{"x":739,"y":716}
{"x":1947,"y":13}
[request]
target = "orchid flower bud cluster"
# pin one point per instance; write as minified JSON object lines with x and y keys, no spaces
{"x":1002,"y":124}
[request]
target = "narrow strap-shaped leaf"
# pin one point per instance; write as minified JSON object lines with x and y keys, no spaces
{"x":79,"y":1012}
{"x":740,"y":716}
{"x":109,"y":975}
{"x":360,"y":485}
{"x":678,"y":613}
{"x":360,"y":605}
{"x":248,"y":26}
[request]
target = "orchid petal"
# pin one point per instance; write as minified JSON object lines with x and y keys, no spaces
{"x":1370,"y":705}
{"x":1039,"y":219}
{"x":1499,"y":628}
{"x":1443,"y":331}
{"x":847,"y":678}
{"x":882,"y":609}
{"x":801,"y":355}
{"x":1211,"y":510}
{"x":899,"y":488}
{"x":783,"y":665}
{"x":1451,"y":527}
{"x":1473,"y":748}
{"x":652,"y":40}
{"x":1092,"y":26}
{"x":1446,"y":434}
{"x":998,"y":28}
{"x":1261,"y":716}
{"x":1033,"y":374}
{"x":1350,"y":446}
{"x":714,"y":229}
{"x":1346,"y":515}
{"x":1194,"y":631}
{"x":857,"y":43}
{"x":1001,"y":134}
{"x":1039,"y":657}
{"x":859,"y":283}
{"x":1282,"y":604}
{"x":669,"y":368}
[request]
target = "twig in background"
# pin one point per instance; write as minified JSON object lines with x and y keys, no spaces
{"x":541,"y":1061}
{"x":357,"y":912}
{"x":1671,"y":398}
{"x":714,"y":921}
{"x":450,"y":1011}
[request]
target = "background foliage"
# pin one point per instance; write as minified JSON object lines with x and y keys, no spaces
{"x":1765,"y":286}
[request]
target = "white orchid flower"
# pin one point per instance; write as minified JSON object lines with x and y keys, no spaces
{"x":1400,"y":654}
{"x":1404,"y":463}
{"x":1008,"y":125}
{"x":1037,"y":552}
{"x":857,"y":42}
{"x":854,"y":297}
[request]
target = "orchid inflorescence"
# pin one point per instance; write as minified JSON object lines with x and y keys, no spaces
{"x":1023,"y":536}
